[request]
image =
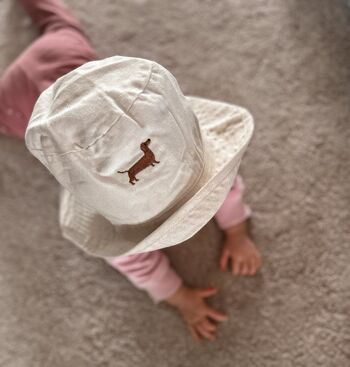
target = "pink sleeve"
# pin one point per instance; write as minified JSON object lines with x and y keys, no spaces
{"x":233,"y":210}
{"x":149,"y":271}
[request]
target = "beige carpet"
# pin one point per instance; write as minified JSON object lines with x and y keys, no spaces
{"x":288,"y":63}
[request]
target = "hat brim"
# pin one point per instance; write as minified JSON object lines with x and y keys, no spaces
{"x":226,"y":131}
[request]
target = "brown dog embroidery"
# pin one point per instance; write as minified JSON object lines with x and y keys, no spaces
{"x":148,"y":159}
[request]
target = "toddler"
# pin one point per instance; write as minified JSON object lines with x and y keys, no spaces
{"x":62,"y":47}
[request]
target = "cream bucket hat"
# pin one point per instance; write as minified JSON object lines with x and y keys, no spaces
{"x":141,"y":166}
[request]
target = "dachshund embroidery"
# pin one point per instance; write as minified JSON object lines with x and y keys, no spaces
{"x":148,"y":159}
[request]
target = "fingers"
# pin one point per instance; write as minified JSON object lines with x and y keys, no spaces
{"x":236,"y":267}
{"x":207,"y":292}
{"x":203,"y":326}
{"x":247,"y":267}
{"x":203,"y":329}
{"x":216,"y":315}
{"x":195,"y":335}
{"x":259,"y":262}
{"x":208,"y":325}
{"x":252,"y":267}
{"x":224,"y":260}
{"x":255,"y":264}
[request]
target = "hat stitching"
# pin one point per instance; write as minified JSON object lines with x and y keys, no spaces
{"x":148,"y":159}
{"x":101,"y":136}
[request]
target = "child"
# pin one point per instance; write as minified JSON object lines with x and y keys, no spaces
{"x":36,"y":94}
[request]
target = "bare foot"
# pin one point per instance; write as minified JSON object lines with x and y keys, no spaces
{"x":238,"y":246}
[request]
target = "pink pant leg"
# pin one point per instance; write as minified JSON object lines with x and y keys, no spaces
{"x":233,"y":210}
{"x":50,"y":15}
{"x":61,"y":48}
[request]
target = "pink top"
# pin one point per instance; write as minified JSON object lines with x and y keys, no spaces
{"x":152,"y":272}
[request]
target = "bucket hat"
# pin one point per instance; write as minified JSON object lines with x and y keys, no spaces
{"x":141,"y":166}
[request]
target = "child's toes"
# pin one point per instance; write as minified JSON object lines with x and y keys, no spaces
{"x":253,"y":267}
{"x":258,"y":262}
{"x":245,"y":268}
{"x":236,"y":267}
{"x":224,"y":260}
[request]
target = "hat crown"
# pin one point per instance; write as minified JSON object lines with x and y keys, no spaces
{"x":120,"y":135}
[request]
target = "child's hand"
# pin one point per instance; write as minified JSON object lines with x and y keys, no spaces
{"x":238,"y":246}
{"x":196,"y":312}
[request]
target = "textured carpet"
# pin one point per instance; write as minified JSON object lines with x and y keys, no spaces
{"x":288,"y":63}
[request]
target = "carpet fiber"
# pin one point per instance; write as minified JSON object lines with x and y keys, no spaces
{"x":288,"y":63}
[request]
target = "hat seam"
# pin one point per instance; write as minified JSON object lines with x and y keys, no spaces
{"x":106,"y":131}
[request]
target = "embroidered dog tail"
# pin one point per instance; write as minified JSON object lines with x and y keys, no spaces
{"x":122,"y":171}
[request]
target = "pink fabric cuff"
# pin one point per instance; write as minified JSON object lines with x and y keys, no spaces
{"x":149,"y":271}
{"x":166,"y":286}
{"x":233,"y":210}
